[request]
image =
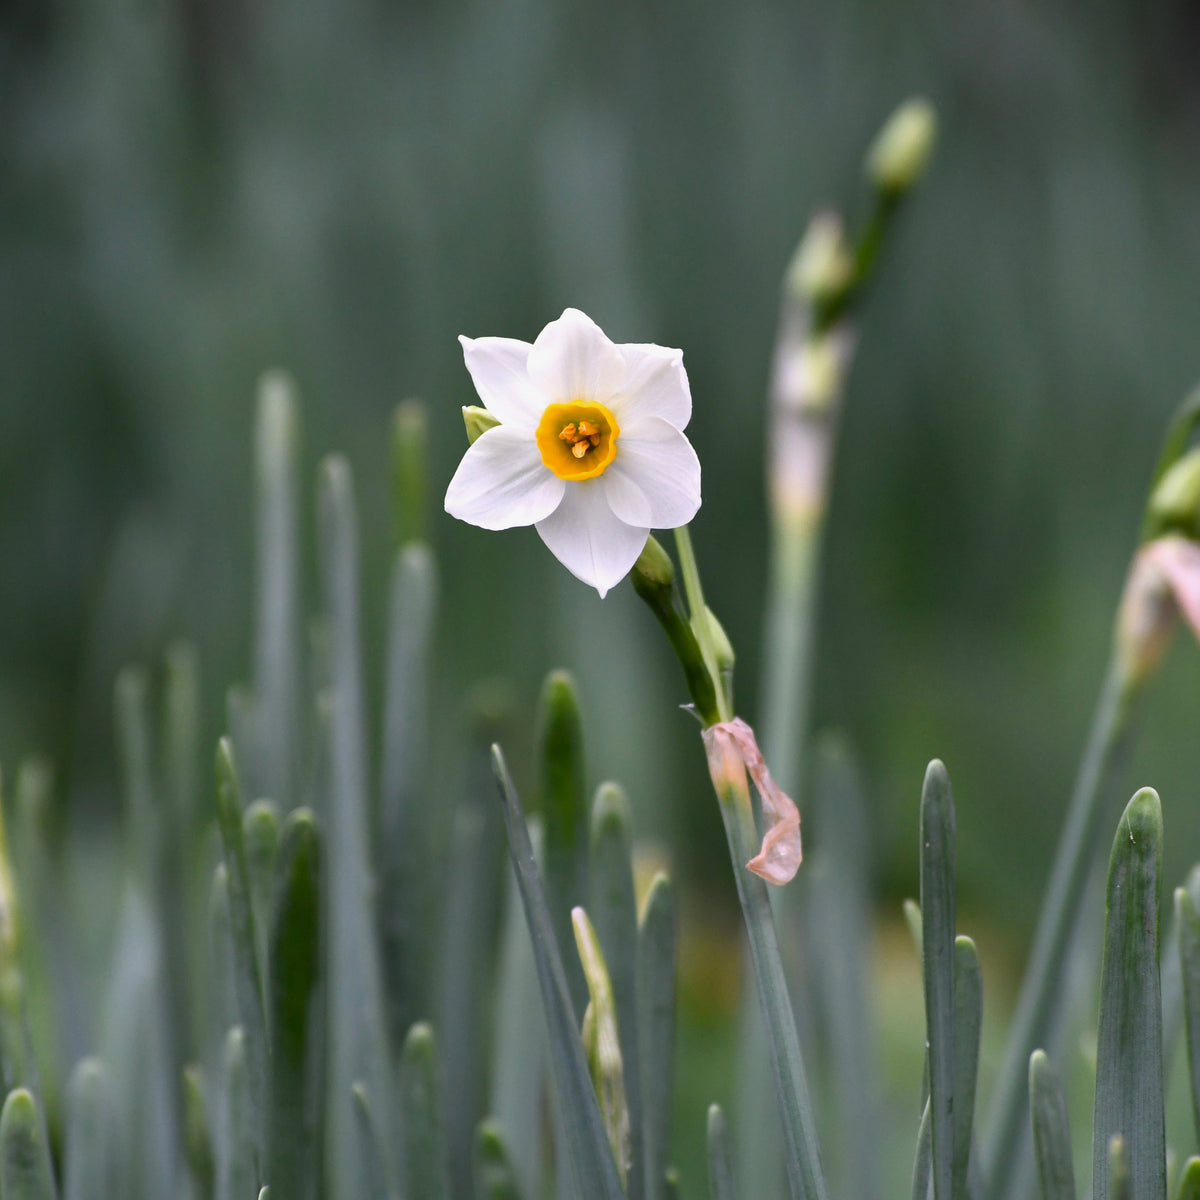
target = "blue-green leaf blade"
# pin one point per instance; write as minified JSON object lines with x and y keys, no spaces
{"x":235,"y":1152}
{"x":657,"y":941}
{"x":296,"y":1014}
{"x":721,"y":1185}
{"x":614,"y":914}
{"x":1187,"y":922}
{"x":593,"y":1168}
{"x":372,"y":1169}
{"x":358,"y":1045}
{"x":968,"y":1024}
{"x":1189,"y":1181}
{"x":923,"y":1156}
{"x":1051,"y":1131}
{"x":423,"y":1122}
{"x":197,"y":1138}
{"x":937,"y":955}
{"x":247,"y":980}
{"x":87,"y":1167}
{"x":410,"y":882}
{"x":495,"y":1178}
{"x":1129,"y":1070}
{"x":25,"y":1172}
{"x":277,"y":622}
{"x":564,"y":811}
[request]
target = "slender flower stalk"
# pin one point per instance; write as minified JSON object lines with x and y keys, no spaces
{"x":1163,"y":584}
{"x":1090,"y":817}
{"x":802,"y":1156}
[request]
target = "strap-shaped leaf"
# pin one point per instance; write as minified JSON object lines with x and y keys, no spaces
{"x":247,"y":982}
{"x":614,"y":914}
{"x":601,"y":1042}
{"x":25,"y":1172}
{"x":276,"y":632}
{"x":1051,"y":1132}
{"x":1187,"y":923}
{"x":968,"y":1021}
{"x":836,"y":930}
{"x":1129,"y":1070}
{"x":519,"y":1044}
{"x":495,"y":1178}
{"x":358,"y":1046}
{"x":260,"y":840}
{"x":937,"y":960}
{"x":1005,"y":1146}
{"x":592,"y":1165}
{"x":296,"y":1010}
{"x":923,"y":1158}
{"x":564,"y":812}
{"x":372,"y":1169}
{"x":656,"y":1028}
{"x":421,"y":1118}
{"x":235,"y":1138}
{"x":411,"y":883}
{"x":87,"y":1167}
{"x":1189,"y":1181}
{"x":197,"y":1137}
{"x":1119,"y":1185}
{"x":721,"y":1183}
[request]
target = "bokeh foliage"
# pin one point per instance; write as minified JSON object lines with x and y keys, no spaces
{"x":193,"y":191}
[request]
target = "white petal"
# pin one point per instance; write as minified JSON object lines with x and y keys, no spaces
{"x":656,"y":386}
{"x":589,"y":540}
{"x":660,"y":461}
{"x":497,"y":367}
{"x":573,"y":360}
{"x":502,"y":482}
{"x":626,"y":498}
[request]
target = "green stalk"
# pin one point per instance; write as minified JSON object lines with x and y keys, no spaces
{"x":697,"y":609}
{"x":1091,"y":813}
{"x":802,"y":1156}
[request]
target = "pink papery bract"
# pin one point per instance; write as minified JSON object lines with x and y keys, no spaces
{"x":1163,"y":584}
{"x":732,"y":751}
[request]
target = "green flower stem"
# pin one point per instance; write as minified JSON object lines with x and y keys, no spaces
{"x":787,"y":661}
{"x":1042,"y":992}
{"x":866,"y":254}
{"x":697,"y":610}
{"x":805,"y":1179}
{"x":659,"y":594}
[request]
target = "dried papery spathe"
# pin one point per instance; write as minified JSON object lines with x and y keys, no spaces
{"x":732,"y":751}
{"x":1163,"y":584}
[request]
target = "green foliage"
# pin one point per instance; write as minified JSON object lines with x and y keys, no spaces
{"x":370,"y":987}
{"x":1129,"y":1068}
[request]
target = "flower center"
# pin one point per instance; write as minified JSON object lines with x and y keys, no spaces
{"x":577,"y":440}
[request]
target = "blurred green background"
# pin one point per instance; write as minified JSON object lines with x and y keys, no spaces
{"x":194,"y":191}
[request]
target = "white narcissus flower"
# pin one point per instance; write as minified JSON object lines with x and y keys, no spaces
{"x":590,"y":446}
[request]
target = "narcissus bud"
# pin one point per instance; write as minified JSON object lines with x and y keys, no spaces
{"x":1175,"y":503}
{"x":478,"y":421}
{"x":654,"y":565}
{"x":902,"y":148}
{"x":822,"y":269}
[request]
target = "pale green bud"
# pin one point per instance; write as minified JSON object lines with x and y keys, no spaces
{"x":718,"y":639}
{"x":1175,"y":502}
{"x":822,"y":269}
{"x":654,"y":564}
{"x":902,"y":148}
{"x":478,"y":421}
